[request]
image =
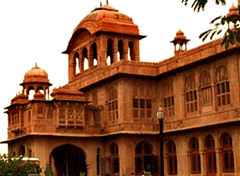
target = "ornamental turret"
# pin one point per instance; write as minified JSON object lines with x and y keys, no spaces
{"x":180,"y":42}
{"x":36,"y":79}
{"x":104,"y":37}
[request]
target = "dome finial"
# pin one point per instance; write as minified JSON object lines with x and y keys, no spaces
{"x":107,"y":2}
{"x":100,"y":3}
{"x":36,"y":64}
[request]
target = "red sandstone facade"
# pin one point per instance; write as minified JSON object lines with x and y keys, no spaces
{"x":104,"y":120}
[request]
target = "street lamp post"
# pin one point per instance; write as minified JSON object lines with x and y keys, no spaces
{"x":160,"y":116}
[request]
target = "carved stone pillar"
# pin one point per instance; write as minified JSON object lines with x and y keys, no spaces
{"x":102,"y":52}
{"x":115,"y":50}
{"x":218,"y":160}
{"x":90,"y":58}
{"x":125,"y":50}
{"x":136,"y":54}
{"x":71,"y":67}
{"x":81,"y":62}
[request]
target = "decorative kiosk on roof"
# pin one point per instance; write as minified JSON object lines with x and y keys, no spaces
{"x":233,"y":18}
{"x":36,"y":79}
{"x":179,"y":41}
{"x":102,"y":38}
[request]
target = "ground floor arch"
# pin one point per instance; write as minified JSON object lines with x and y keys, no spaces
{"x":68,"y":160}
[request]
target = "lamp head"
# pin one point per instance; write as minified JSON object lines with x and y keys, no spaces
{"x":160,"y":113}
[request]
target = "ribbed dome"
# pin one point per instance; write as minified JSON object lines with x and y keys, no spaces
{"x":180,"y":35}
{"x":99,"y":18}
{"x":36,"y":74}
{"x":103,"y":19}
{"x":233,"y":11}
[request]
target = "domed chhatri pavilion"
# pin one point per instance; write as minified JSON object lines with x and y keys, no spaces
{"x":103,"y":121}
{"x":36,"y":79}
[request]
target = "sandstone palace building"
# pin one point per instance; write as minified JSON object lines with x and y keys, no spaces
{"x":103,"y":121}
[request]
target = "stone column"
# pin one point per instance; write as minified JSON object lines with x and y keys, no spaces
{"x":218,"y":160}
{"x":115,"y":50}
{"x":136,"y":56}
{"x":81,"y":62}
{"x":71,"y":67}
{"x":125,"y":50}
{"x":203,"y":162}
{"x":126,"y":156}
{"x":102,"y":51}
{"x":90,"y":57}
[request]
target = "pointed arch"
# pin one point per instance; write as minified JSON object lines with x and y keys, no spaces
{"x":142,"y":102}
{"x":120,"y":50}
{"x":144,"y":158}
{"x":114,"y":159}
{"x":31,"y":92}
{"x":227,"y":153}
{"x":84,"y":60}
{"x":94,"y":54}
{"x":168,"y":99}
{"x":98,"y":160}
{"x":222,"y":86}
{"x":194,"y":155}
{"x":131,"y":51}
{"x":209,"y":146}
{"x":76,"y":63}
{"x":112,"y":104}
{"x":41,"y":89}
{"x":205,"y":86}
{"x":190,"y":94}
{"x":109,"y":52}
{"x":22,"y":150}
{"x":68,"y":160}
{"x":171,"y":158}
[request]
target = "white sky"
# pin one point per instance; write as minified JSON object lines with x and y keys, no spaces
{"x":38,"y":31}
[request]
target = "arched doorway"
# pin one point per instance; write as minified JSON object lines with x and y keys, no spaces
{"x":69,"y":160}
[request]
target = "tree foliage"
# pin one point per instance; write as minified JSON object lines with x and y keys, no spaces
{"x":231,"y":33}
{"x":200,"y":4}
{"x":10,"y":166}
{"x":48,"y":171}
{"x":220,"y":24}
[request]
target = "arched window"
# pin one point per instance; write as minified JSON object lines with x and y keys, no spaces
{"x":210,"y":154}
{"x":190,"y":95}
{"x":131,"y":52}
{"x":112,"y":105}
{"x":94,"y":54}
{"x":205,"y":86}
{"x":109,"y":52}
{"x":98,"y":161}
{"x":145,"y":161}
{"x":30,"y":93}
{"x":120,"y":49}
{"x":195,"y":161}
{"x":114,"y":160}
{"x":168,"y":99}
{"x":29,"y":153}
{"x":142,"y":103}
{"x":227,"y":153}
{"x":171,"y":158}
{"x":84,"y":60}
{"x":41,"y":90}
{"x":222,"y":86}
{"x":22,"y":151}
{"x":76,"y":63}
